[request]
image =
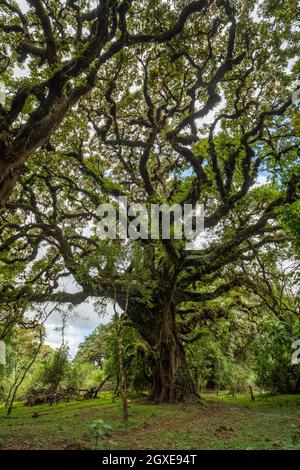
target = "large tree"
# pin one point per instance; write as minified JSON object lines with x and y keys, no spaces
{"x":200,"y":119}
{"x":65,"y":47}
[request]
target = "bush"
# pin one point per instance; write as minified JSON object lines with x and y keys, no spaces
{"x":273,"y":356}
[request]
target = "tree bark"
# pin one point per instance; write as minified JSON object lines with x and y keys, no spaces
{"x":172,"y":380}
{"x":14,"y":152}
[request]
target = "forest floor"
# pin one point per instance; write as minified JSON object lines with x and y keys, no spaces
{"x":222,"y":422}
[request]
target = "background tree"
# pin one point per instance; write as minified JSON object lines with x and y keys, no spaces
{"x":273,"y":365}
{"x":24,"y":349}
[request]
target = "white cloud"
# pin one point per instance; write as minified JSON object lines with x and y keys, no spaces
{"x":261,"y":180}
{"x":81,"y":322}
{"x":23,"y":5}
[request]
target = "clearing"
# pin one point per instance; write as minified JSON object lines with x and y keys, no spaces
{"x":222,"y":422}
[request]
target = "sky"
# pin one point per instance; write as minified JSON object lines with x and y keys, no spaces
{"x":79,"y":322}
{"x":82,"y":321}
{"x":23,"y":4}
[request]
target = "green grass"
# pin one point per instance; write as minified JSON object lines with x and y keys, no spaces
{"x":221,"y":422}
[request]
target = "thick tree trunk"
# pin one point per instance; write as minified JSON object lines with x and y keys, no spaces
{"x":171,"y":378}
{"x":14,"y":152}
{"x":10,"y":169}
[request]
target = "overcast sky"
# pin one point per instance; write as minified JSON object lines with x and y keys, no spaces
{"x":82,"y":321}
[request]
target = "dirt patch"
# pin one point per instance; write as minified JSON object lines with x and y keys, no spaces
{"x":225,"y":432}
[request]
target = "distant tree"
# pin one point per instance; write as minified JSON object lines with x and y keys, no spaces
{"x":23,"y":350}
{"x":273,"y":354}
{"x":55,"y":370}
{"x":135,"y":352}
{"x":94,"y":347}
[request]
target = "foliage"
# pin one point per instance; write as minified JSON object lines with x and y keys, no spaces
{"x":273,"y":357}
{"x":54,"y":370}
{"x":21,"y":349}
{"x":100,"y":431}
{"x":216,"y":364}
{"x":103,"y":343}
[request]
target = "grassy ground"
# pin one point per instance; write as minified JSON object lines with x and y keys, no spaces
{"x":222,"y":422}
